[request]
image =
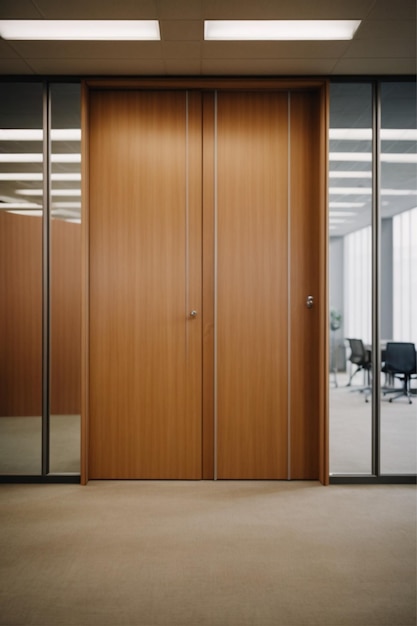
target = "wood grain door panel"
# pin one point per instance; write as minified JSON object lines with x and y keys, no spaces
{"x":251,"y":289}
{"x":145,"y":254}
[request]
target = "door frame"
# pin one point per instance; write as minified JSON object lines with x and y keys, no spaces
{"x":207,"y":87}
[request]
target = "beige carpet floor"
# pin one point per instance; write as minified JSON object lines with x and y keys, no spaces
{"x":207,"y":554}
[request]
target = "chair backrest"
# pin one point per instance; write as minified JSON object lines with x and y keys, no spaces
{"x":358,"y":353}
{"x":400,"y":357}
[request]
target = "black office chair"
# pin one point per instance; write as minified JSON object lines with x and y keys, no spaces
{"x":400,"y":363}
{"x":359,"y":356}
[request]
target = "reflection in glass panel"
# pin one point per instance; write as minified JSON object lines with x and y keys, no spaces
{"x":65,"y":279}
{"x":20,"y":278}
{"x":350,"y":272}
{"x":398,"y":278}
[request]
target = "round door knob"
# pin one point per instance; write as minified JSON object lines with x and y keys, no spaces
{"x":193,"y":313}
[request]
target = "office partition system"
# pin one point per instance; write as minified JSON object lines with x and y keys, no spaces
{"x":40,"y":248}
{"x":372,"y":254}
{"x":373,"y":286}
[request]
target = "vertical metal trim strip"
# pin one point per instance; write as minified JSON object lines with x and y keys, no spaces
{"x":46,"y":125}
{"x":215,"y":285}
{"x":289,"y":285}
{"x":187,"y":229}
{"x":376,"y":268}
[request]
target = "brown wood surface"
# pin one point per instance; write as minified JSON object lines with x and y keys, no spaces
{"x":305,"y":280}
{"x":20,"y":315}
{"x":65,"y":318}
{"x":144,"y":349}
{"x":208,"y":286}
{"x":251,"y":290}
{"x":264,"y":367}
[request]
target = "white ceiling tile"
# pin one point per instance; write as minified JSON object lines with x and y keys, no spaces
{"x":252,"y":67}
{"x":101,"y":67}
{"x":387,"y":29}
{"x":181,"y":49}
{"x":180,"y":9}
{"x":14,"y":66}
{"x":394,"y":48}
{"x":179,"y":67}
{"x":97,"y":9}
{"x":273,"y":49}
{"x":291,"y":9}
{"x":7,"y":50}
{"x":89,"y":49}
{"x":363,"y":66}
{"x":181,"y":30}
{"x":18,"y":9}
{"x":398,"y":10}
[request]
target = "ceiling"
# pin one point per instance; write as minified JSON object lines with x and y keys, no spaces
{"x":385,"y":42}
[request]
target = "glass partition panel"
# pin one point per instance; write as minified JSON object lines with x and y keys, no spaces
{"x":398,"y":203}
{"x":65,"y":279}
{"x":21,"y":201}
{"x":350,"y":278}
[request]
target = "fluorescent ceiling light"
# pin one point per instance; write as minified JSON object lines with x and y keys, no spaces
{"x":102,"y":30}
{"x":271,"y":30}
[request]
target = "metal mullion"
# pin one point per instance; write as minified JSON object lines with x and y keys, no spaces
{"x":46,"y":124}
{"x":376,"y":279}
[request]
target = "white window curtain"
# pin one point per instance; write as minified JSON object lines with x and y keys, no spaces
{"x":405,"y":276}
{"x":358,"y":285}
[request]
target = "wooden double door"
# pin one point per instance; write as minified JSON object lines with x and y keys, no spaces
{"x":204,"y":245}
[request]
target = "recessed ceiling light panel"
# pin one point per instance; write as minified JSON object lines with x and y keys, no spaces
{"x":88,"y":30}
{"x":271,"y":30}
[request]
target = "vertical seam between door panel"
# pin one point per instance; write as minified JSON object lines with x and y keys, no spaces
{"x":187,"y":226}
{"x":289,"y":285}
{"x":215,"y":285}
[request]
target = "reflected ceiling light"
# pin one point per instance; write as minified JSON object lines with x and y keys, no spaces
{"x":35,"y":134}
{"x":350,"y":174}
{"x":38,"y":177}
{"x":76,"y":30}
{"x":350,"y":190}
{"x":363,"y":157}
{"x":20,"y":176}
{"x":333,"y":214}
{"x":398,"y":192}
{"x":33,"y":213}
{"x":20,"y":157}
{"x":66,"y":205}
{"x":333,"y":220}
{"x":366,"y":157}
{"x":368,"y":191}
{"x":284,"y":30}
{"x":54,"y":192}
{"x":5,"y":206}
{"x":365,"y":134}
{"x":346,"y":205}
{"x":408,"y":157}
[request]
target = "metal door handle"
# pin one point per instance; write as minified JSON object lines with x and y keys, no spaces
{"x":193,"y":313}
{"x":309,"y":302}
